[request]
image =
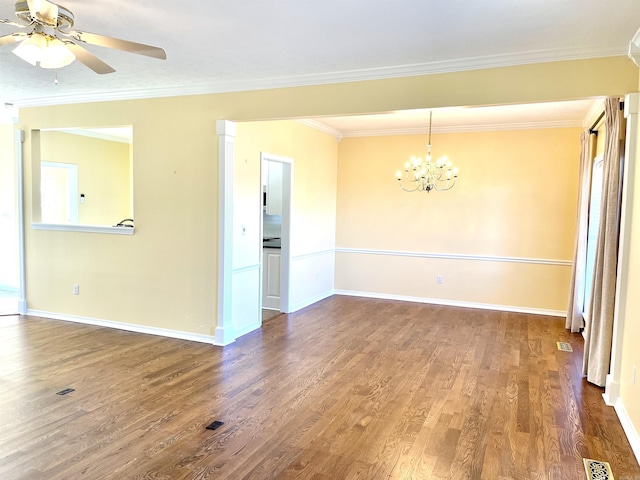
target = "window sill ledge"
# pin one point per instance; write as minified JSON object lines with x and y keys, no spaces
{"x":83,"y":228}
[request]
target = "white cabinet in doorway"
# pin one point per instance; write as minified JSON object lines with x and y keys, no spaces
{"x":271,"y":278}
{"x":274,"y":188}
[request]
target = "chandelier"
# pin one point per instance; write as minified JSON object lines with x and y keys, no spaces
{"x":424,"y":175}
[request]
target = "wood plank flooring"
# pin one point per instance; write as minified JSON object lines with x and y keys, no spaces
{"x":347,"y":388}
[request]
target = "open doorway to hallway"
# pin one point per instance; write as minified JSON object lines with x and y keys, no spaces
{"x":276,"y":178}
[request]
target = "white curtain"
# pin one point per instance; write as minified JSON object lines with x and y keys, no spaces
{"x":599,"y":329}
{"x":576,"y":290}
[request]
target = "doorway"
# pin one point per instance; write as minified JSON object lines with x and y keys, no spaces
{"x":275,"y":260}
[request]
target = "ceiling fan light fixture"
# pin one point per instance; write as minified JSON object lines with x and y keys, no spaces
{"x":31,"y":49}
{"x":56,"y":55}
{"x":46,"y":50}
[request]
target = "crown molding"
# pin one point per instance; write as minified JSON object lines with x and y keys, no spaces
{"x":594,"y":114}
{"x":463,"y":128}
{"x":634,"y":49}
{"x":445,"y":66}
{"x":321,"y":127}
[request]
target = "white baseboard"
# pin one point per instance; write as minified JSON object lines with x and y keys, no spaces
{"x":311,"y":301}
{"x":454,"y":303}
{"x":130,"y":327}
{"x":248,"y":329}
{"x":611,"y":390}
{"x":629,"y":429}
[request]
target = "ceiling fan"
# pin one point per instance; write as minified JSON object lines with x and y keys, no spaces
{"x":52,"y":44}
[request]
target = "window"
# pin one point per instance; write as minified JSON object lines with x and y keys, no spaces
{"x":595,"y":201}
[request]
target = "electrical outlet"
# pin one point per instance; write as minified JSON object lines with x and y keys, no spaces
{"x":76,"y":289}
{"x":633,"y":375}
{"x":439,"y":279}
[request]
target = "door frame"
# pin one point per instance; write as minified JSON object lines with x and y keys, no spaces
{"x":285,"y":251}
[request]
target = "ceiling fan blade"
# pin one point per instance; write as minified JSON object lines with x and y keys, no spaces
{"x":13,"y":38}
{"x":44,"y":11}
{"x":89,"y":59}
{"x":12,"y":23}
{"x":124,"y":45}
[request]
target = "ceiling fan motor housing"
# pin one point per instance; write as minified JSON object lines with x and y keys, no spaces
{"x":64,"y":19}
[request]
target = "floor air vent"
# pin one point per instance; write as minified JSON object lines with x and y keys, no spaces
{"x":564,"y":346}
{"x":215,"y":425}
{"x":65,"y":391}
{"x":596,"y":470}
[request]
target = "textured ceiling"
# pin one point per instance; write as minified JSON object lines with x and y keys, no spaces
{"x":243,"y":44}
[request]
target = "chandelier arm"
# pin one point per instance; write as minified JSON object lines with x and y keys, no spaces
{"x":446,"y":187}
{"x":409,"y":189}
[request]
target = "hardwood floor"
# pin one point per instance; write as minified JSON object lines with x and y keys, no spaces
{"x":347,"y":388}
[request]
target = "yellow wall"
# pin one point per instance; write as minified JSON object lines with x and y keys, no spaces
{"x":313,"y":216}
{"x":103,"y":174}
{"x":515,"y":197}
{"x":165,"y":275}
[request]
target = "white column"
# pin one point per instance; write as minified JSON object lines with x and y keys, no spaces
{"x":224,"y":333}
{"x":631,"y":109}
{"x":19,"y":141}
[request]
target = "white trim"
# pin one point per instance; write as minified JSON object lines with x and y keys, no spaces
{"x":399,"y":71}
{"x":249,"y":329}
{"x":313,"y":254}
{"x":595,"y":112}
{"x":629,"y":429}
{"x":454,"y":256}
{"x":19,"y":155}
{"x":631,"y":112}
{"x":83,"y":228}
{"x":285,"y":250}
{"x":612,"y":388}
{"x":226,"y":132}
{"x":311,"y":301}
{"x":248,"y":268}
{"x":488,"y":127}
{"x":100,"y":133}
{"x":130,"y":327}
{"x":634,"y":49}
{"x":321,"y":127}
{"x":455,"y":303}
